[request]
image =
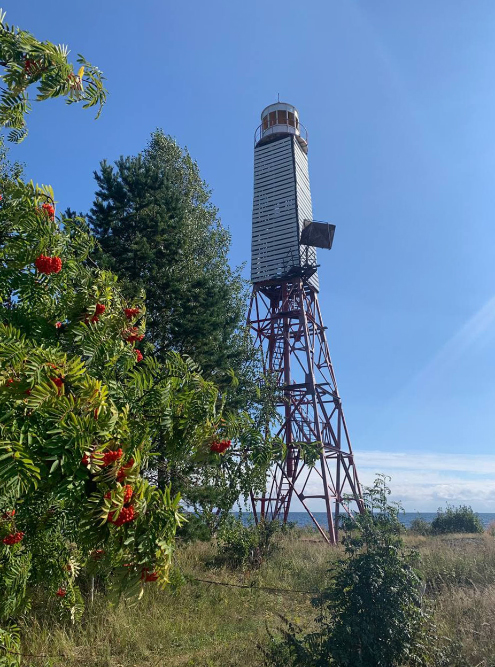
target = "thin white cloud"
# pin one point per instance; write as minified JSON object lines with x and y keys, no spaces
{"x":424,"y":481}
{"x":466,"y":463}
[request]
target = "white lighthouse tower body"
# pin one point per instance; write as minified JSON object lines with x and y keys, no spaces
{"x":282,"y":196}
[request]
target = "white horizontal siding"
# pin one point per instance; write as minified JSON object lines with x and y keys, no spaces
{"x":281,"y":201}
{"x":304,"y":206}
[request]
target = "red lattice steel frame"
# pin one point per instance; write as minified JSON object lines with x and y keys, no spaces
{"x":286,"y":321}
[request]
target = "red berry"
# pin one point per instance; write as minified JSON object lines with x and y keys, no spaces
{"x":112,"y":456}
{"x":58,"y":325}
{"x":100,"y":309}
{"x":85,"y":460}
{"x":61,"y":592}
{"x":13,"y":538}
{"x":49,"y":210}
{"x":48,"y":265}
{"x":95,"y":318}
{"x":132,"y":335}
{"x":58,"y":382}
{"x":146,"y":575}
{"x":127,"y":493}
{"x":131,"y":312}
{"x":220,"y":447}
{"x":126,"y":515}
{"x":139,"y":356}
{"x":122,"y":474}
{"x":56,"y":264}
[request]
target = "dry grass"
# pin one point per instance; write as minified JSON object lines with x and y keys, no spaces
{"x":199,"y":624}
{"x":211,"y":626}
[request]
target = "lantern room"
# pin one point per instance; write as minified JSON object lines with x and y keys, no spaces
{"x":277,"y":120}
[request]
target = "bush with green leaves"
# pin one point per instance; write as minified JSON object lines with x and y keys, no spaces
{"x":246,"y":544}
{"x":420,"y":526}
{"x":372,"y":613}
{"x":460,"y":519}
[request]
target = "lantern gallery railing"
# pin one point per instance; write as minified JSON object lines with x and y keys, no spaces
{"x":291,"y":127}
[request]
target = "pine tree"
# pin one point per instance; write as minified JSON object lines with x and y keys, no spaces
{"x":158,"y":230}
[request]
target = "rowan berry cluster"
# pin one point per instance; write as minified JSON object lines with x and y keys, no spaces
{"x":49,"y":210}
{"x":131,"y":312}
{"x":127,"y":494}
{"x":100,"y":309}
{"x":61,"y":592}
{"x":122,"y":473}
{"x":132,"y":335}
{"x":48,"y":265}
{"x":146,"y":575}
{"x":13,"y":538}
{"x":126,"y":515}
{"x":108,"y":457}
{"x":111,"y":457}
{"x":139,"y":355}
{"x":220,"y":446}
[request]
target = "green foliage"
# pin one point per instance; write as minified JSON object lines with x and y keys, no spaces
{"x":460,"y":519}
{"x":159,"y":232}
{"x":157,"y":229}
{"x":27,"y":62}
{"x":372,"y":613}
{"x":73,"y":393}
{"x":10,"y":645}
{"x":419,"y":526}
{"x":246,"y":545}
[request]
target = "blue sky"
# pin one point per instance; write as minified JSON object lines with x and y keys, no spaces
{"x":399,"y":101}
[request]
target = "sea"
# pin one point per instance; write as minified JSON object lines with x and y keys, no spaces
{"x":303,"y":518}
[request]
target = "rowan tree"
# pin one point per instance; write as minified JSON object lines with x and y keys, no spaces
{"x":83,"y":400}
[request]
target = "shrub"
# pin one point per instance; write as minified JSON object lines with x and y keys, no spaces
{"x":372,"y":613}
{"x":247,"y":545}
{"x":420,"y":526}
{"x":460,"y":519}
{"x":490,"y":529}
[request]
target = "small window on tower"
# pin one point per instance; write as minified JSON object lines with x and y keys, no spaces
{"x":291,"y":119}
{"x":273,"y":119}
{"x":265,"y":123}
{"x":282,"y":117}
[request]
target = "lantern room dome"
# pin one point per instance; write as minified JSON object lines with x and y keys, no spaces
{"x":278,"y":120}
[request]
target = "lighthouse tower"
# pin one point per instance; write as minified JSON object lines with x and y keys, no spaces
{"x":286,"y":321}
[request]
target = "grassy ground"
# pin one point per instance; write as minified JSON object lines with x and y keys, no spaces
{"x":208,"y":625}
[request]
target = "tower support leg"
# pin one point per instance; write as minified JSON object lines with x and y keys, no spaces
{"x":285,"y":319}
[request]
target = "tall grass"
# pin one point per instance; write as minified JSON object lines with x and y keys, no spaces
{"x":197,"y":624}
{"x":206,"y":625}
